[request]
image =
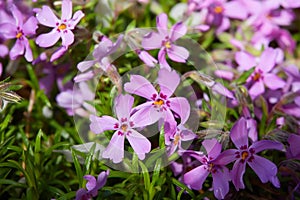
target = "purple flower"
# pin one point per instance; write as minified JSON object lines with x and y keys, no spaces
{"x":181,"y":134}
{"x":19,"y":31}
{"x":160,"y":105}
{"x":210,"y":164}
{"x":293,"y":151}
{"x":123,"y":127}
{"x":101,"y":53}
{"x":92,"y":186}
{"x":164,"y":40}
{"x":265,"y":169}
{"x":262,"y":73}
{"x":74,"y":101}
{"x":146,"y":58}
{"x":62,"y":28}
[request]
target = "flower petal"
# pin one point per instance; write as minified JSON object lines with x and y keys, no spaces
{"x":226,"y":157}
{"x":91,"y":182}
{"x":101,"y":124}
{"x":237,"y":174}
{"x":115,"y":149}
{"x":162,"y":59}
{"x":140,"y":144}
{"x":180,"y":106}
{"x":162,"y":24}
{"x":177,"y":31}
{"x":221,"y":183}
{"x":168,"y":81}
{"x":123,"y":105}
{"x":48,"y":39}
{"x":266,"y":144}
{"x":264,"y":168}
{"x":102,"y":178}
{"x":152,"y":40}
{"x":17,"y":15}
{"x":67,"y":38}
{"x":30,"y":26}
{"x":78,"y":15}
{"x":66,"y":10}
{"x":140,"y":86}
{"x":213,"y":147}
{"x":236,"y":10}
{"x":28,"y":51}
{"x":196,"y":177}
{"x":8,"y":31}
{"x":47,"y":17}
{"x":267,"y":60}
{"x":146,"y":115}
{"x":245,"y":60}
{"x":147,"y":58}
{"x":178,"y":54}
{"x":273,"y":82}
{"x":239,"y":134}
{"x":17,"y":49}
{"x":257,"y":88}
{"x":85,"y":65}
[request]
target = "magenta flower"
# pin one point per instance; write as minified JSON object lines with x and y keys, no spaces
{"x":160,"y":105}
{"x":124,"y":127}
{"x":62,"y":28}
{"x":101,"y":53}
{"x":265,"y":169}
{"x":210,"y":164}
{"x":92,"y":186}
{"x":262,"y":74}
{"x":164,"y":40}
{"x":19,"y":31}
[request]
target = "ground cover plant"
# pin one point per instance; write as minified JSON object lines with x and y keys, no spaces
{"x":149,"y":99}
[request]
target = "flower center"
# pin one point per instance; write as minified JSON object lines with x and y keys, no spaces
{"x":124,"y":127}
{"x":245,"y":155}
{"x":218,"y":9}
{"x":159,"y":102}
{"x":168,"y":44}
{"x":256,"y":76}
{"x":176,"y":139}
{"x":62,"y":26}
{"x":19,"y":34}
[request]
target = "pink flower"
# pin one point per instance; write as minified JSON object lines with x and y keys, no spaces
{"x":62,"y":28}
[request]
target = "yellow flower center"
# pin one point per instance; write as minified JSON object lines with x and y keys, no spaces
{"x":159,"y":102}
{"x":62,"y":27}
{"x":168,"y":45}
{"x":245,"y":155}
{"x":256,"y":76}
{"x":176,"y":139}
{"x":124,"y":127}
{"x":218,"y":9}
{"x":19,"y":34}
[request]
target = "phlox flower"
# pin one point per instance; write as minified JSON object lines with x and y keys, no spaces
{"x":245,"y":154}
{"x":19,"y":31}
{"x":210,"y":164}
{"x":124,"y":127}
{"x":262,"y":74}
{"x":160,"y":104}
{"x":62,"y":28}
{"x":101,"y":53}
{"x":92,"y":186}
{"x":164,"y":40}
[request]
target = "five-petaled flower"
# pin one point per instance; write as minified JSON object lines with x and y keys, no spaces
{"x":19,"y":31}
{"x":62,"y":28}
{"x":210,"y":164}
{"x":164,"y":40}
{"x":265,"y":169}
{"x":92,"y":186}
{"x":124,"y":127}
{"x":160,"y":105}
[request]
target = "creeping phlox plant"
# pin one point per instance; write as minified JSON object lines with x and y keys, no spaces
{"x":149,"y":99}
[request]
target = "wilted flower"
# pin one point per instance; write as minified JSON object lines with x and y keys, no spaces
{"x":124,"y":127}
{"x":92,"y":186}
{"x":265,"y":169}
{"x":164,"y":40}
{"x":62,"y":28}
{"x":19,"y":31}
{"x":210,"y":164}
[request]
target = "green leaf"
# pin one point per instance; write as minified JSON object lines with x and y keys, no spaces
{"x":77,"y":168}
{"x":146,"y":176}
{"x":181,"y":185}
{"x":243,"y":78}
